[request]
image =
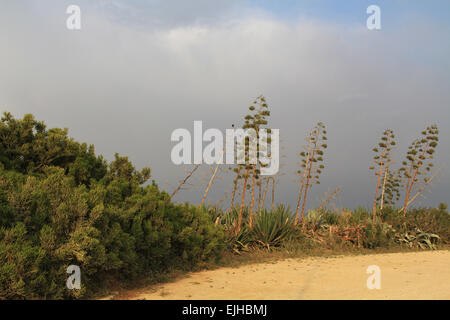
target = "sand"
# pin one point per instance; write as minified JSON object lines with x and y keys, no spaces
{"x":413,"y":275}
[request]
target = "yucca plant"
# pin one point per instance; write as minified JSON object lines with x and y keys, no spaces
{"x":270,"y":229}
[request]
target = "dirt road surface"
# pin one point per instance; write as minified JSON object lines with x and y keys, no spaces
{"x":415,"y":275}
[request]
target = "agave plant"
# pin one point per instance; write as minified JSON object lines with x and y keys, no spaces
{"x":272,"y":228}
{"x":418,"y":238}
{"x":241,"y":241}
{"x":314,"y":219}
{"x":236,"y":241}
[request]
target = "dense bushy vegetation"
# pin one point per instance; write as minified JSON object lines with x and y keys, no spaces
{"x":420,"y":228}
{"x":62,"y":205}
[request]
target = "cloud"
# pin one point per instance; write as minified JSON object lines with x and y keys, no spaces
{"x":126,"y":86}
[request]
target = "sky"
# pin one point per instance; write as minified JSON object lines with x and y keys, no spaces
{"x":138,"y":70}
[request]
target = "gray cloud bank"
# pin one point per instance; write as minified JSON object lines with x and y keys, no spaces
{"x":125,"y":86}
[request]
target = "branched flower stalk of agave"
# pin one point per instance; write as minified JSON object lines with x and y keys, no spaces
{"x":264,"y":182}
{"x":274,"y":182}
{"x":276,"y":177}
{"x":256,"y":119}
{"x":244,"y":191}
{"x":391,"y":188}
{"x":382,"y":160}
{"x":419,"y":161}
{"x":242,"y":173}
{"x":259,"y":185}
{"x":237,"y":171}
{"x":311,"y":165}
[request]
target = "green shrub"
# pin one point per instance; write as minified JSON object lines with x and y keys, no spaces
{"x":330,"y":218}
{"x":430,"y":220}
{"x":106,"y":231}
{"x":377,"y":234}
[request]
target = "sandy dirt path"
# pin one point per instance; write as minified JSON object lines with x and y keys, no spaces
{"x":418,"y":275}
